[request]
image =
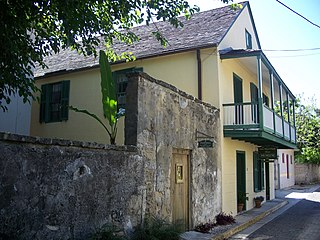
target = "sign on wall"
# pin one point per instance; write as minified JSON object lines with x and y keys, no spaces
{"x":268,"y":152}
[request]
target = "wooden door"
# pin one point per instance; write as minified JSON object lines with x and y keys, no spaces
{"x":238,"y":99}
{"x":180,"y":188}
{"x":254,"y":103}
{"x":241,"y":174}
{"x":267,"y":180}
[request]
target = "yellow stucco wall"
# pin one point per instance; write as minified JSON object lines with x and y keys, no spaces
{"x":210,"y":85}
{"x":229,"y":177}
{"x":229,"y":147}
{"x":179,"y":70}
{"x":85,"y":93}
{"x":235,"y":37}
{"x":229,"y":67}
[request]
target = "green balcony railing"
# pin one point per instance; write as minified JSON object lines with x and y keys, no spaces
{"x":246,"y":116}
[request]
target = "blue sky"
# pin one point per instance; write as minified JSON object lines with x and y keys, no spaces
{"x":280,"y":29}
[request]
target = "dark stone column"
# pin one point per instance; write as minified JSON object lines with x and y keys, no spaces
{"x":131,"y":117}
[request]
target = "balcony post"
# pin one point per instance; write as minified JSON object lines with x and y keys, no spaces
{"x":288,"y":111}
{"x":281,"y":107}
{"x":294,"y":119}
{"x":272,"y":101}
{"x":260,"y":101}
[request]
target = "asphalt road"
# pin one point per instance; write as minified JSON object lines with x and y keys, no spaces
{"x":301,"y":221}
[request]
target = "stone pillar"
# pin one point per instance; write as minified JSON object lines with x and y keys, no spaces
{"x":131,"y":116}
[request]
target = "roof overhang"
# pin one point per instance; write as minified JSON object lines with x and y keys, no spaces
{"x":95,"y":66}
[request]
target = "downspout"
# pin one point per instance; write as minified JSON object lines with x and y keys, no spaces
{"x":199,"y":74}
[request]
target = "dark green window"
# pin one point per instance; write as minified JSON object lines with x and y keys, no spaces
{"x":248,"y":40}
{"x":54,"y":102}
{"x":258,"y":173}
{"x":122,"y":82}
{"x":266,"y":100}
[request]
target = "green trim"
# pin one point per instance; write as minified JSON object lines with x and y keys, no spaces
{"x":65,"y":92}
{"x":248,"y":38}
{"x":259,"y":137}
{"x":253,"y":25}
{"x":244,"y":126}
{"x":46,"y":102}
{"x":235,"y":104}
{"x":258,"y":173}
{"x":246,"y":4}
{"x":231,"y":25}
{"x":240,"y":55}
{"x":241,"y":174}
{"x":265,"y":61}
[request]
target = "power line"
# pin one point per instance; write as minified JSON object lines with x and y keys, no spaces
{"x":288,"y":56}
{"x":298,"y":14}
{"x":291,"y":50}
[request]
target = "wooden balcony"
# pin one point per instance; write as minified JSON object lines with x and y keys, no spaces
{"x":257,"y":124}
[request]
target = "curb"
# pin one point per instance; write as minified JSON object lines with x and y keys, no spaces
{"x":245,"y":225}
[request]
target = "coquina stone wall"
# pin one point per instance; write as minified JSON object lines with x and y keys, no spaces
{"x":58,"y":189}
{"x":161,"y":118}
{"x":306,"y":173}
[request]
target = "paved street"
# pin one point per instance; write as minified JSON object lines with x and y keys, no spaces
{"x":299,"y":220}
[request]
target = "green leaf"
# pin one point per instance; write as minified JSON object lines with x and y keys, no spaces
{"x":108,"y":89}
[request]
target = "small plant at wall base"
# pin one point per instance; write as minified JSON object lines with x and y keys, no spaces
{"x":109,"y":99}
{"x":224,"y":219}
{"x":221,"y":219}
{"x":205,"y":227}
{"x":156,"y":229}
{"x":108,"y":233}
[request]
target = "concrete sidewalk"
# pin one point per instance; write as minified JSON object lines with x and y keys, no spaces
{"x":248,"y":218}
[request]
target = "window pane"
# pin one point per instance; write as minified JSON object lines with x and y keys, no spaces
{"x":55,"y":102}
{"x":54,"y":99}
{"x":122,"y":82}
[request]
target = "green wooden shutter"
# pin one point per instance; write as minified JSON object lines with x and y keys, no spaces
{"x":46,"y":94}
{"x":43,"y":103}
{"x":262,"y":174}
{"x":256,"y":171}
{"x":64,"y":110}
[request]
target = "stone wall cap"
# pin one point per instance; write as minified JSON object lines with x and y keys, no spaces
{"x":6,"y":136}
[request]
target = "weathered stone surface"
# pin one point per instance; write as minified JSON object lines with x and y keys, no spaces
{"x":62,"y":189}
{"x":306,"y":173}
{"x":59,"y":192}
{"x":166,"y":119}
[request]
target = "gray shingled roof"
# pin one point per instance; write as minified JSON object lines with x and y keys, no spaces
{"x":204,"y":29}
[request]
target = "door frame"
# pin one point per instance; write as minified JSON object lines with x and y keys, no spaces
{"x":244,"y":172}
{"x":238,"y":98}
{"x":172,"y":176}
{"x":267,"y":174}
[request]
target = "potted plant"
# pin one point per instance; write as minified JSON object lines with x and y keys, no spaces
{"x":242,"y":198}
{"x":258,"y":200}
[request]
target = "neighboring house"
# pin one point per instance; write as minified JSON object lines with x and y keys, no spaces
{"x":215,"y":57}
{"x":284,"y":175}
{"x":17,"y":117}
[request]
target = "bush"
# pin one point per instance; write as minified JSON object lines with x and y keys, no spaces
{"x":224,"y":219}
{"x":156,"y":229}
{"x":205,"y":227}
{"x":108,"y":233}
